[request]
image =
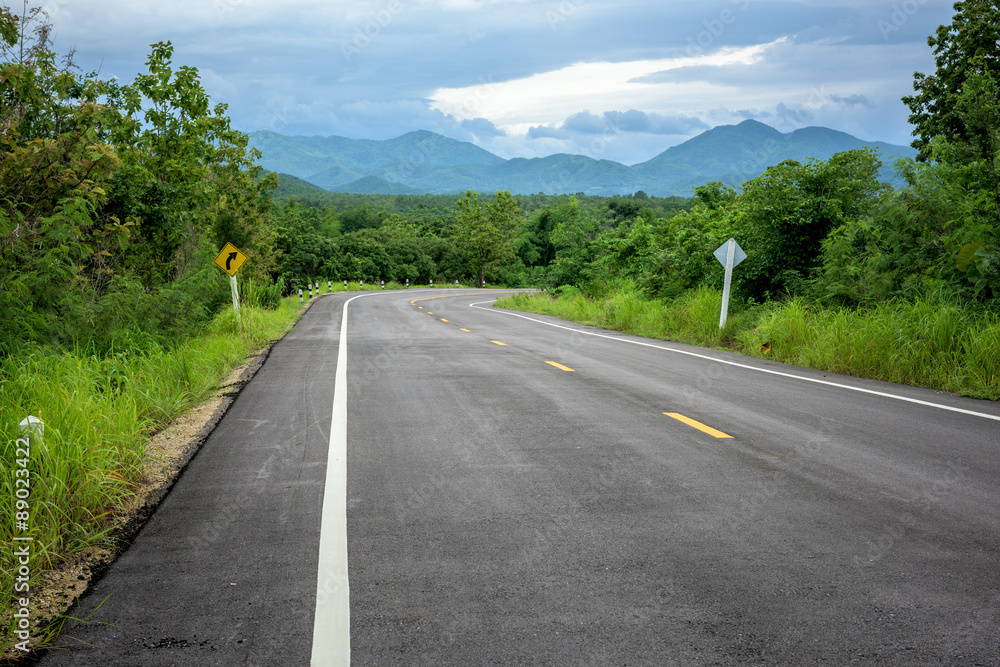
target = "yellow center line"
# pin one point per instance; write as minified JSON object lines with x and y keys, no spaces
{"x":465,"y":330}
{"x":443,"y":320}
{"x":498,"y":343}
{"x":560,"y":366}
{"x":429,"y":312}
{"x":420,"y":307}
{"x":698,"y":425}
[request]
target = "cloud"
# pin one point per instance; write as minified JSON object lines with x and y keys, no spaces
{"x":617,"y":122}
{"x":852,"y":100}
{"x":623,"y":136}
{"x":480,"y":127}
{"x":547,"y":97}
{"x":545,"y":132}
{"x":654,"y":123}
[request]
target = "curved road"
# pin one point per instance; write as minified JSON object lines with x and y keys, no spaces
{"x":523,"y":490}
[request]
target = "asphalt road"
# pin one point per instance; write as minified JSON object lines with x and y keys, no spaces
{"x":516,"y":494}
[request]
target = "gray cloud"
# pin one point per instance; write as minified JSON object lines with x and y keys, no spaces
{"x":852,"y":100}
{"x":480,"y":127}
{"x":613,"y":123}
{"x":546,"y":132}
{"x":654,"y":123}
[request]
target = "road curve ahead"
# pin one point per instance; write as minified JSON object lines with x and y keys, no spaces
{"x":523,"y":490}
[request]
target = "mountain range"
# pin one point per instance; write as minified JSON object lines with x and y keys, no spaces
{"x":425,"y":162}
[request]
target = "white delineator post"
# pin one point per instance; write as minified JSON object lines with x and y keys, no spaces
{"x":236,"y":296}
{"x":31,"y":426}
{"x":729,"y":255}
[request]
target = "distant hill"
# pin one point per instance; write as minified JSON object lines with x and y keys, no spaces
{"x":373,"y":185}
{"x":332,"y":161}
{"x":292,"y":186}
{"x":736,"y":153}
{"x":425,"y":162}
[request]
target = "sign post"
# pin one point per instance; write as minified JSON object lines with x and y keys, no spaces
{"x":230,"y":260}
{"x":729,"y":255}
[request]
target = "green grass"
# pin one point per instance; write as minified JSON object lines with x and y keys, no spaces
{"x":99,"y":413}
{"x":939,"y":346}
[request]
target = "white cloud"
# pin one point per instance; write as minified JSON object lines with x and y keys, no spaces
{"x":549,"y":97}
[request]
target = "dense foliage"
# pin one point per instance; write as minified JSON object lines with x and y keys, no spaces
{"x":474,"y":238}
{"x":965,"y":51}
{"x":115,"y":197}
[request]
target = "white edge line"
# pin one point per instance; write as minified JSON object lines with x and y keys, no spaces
{"x":331,"y":641}
{"x":746,"y":366}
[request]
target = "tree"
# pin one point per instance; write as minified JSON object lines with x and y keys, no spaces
{"x":572,"y":237}
{"x":53,"y":171}
{"x":90,"y":168}
{"x":782,"y":217}
{"x":956,"y":114}
{"x":183,"y":167}
{"x":969,"y":45}
{"x":622,"y":209}
{"x":487,"y":234}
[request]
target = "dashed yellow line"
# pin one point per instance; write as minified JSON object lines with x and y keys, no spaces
{"x":698,"y":425}
{"x":465,"y":330}
{"x":496,"y":342}
{"x":443,"y":320}
{"x":560,"y":367}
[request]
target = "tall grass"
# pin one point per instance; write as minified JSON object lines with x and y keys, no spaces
{"x":98,"y":414}
{"x":926,"y":344}
{"x":923,"y":343}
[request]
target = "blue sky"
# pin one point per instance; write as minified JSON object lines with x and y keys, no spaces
{"x":620,"y":80}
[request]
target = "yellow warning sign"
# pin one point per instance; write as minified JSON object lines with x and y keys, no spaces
{"x":230,"y":259}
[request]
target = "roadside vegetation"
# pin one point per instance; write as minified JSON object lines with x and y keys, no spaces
{"x":99,"y":412}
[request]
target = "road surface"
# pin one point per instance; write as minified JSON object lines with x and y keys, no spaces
{"x":500,"y":488}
